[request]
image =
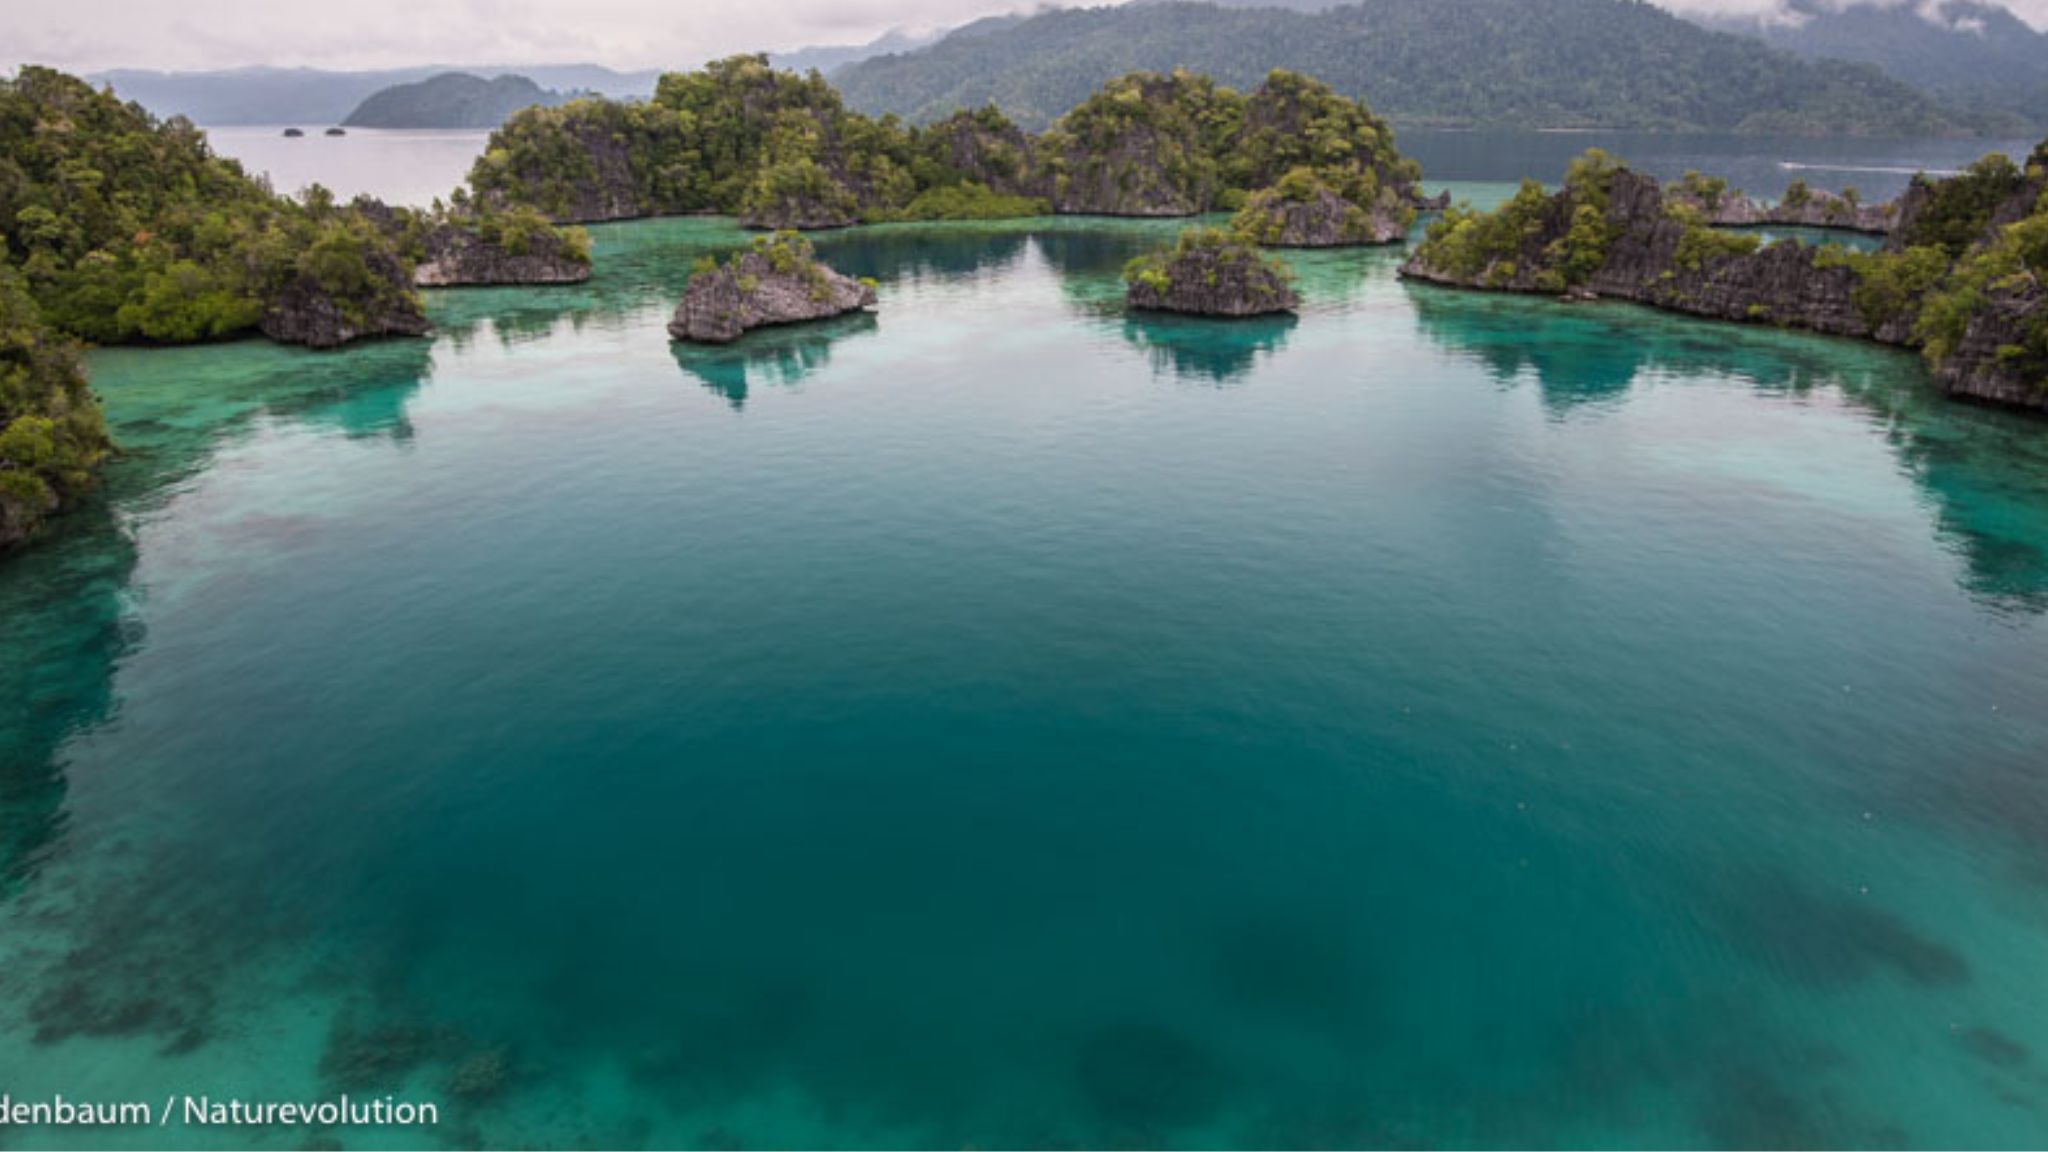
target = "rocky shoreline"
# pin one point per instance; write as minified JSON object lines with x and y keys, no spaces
{"x":1614,"y":233}
{"x":444,"y":249}
{"x":778,"y":281}
{"x":1209,"y":272}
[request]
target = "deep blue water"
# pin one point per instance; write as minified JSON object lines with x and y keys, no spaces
{"x":1434,"y":719}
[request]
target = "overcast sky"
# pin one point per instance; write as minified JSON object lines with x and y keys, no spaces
{"x":89,"y":35}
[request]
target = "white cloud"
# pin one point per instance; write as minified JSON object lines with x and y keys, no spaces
{"x":89,"y":35}
{"x":2034,"y":12}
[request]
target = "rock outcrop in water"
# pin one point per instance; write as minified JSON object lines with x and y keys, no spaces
{"x":778,"y":281}
{"x":306,"y":312}
{"x":1982,"y":364}
{"x":1960,"y":276}
{"x":1209,"y":272}
{"x":1800,"y":207}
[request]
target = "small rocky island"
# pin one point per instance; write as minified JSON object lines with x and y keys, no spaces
{"x":1209,"y":272}
{"x":778,"y":281}
{"x":310,"y":312}
{"x":1960,"y":276}
{"x":1799,"y":207}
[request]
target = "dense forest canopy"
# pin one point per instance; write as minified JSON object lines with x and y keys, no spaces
{"x":783,"y":150}
{"x":1973,"y":55}
{"x":129,"y":229}
{"x":736,"y":136}
{"x":51,"y":434}
{"x":1497,"y":63}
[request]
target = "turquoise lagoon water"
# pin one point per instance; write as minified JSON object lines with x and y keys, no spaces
{"x":1436,"y":719}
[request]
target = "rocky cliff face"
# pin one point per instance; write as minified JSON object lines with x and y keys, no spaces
{"x":1208,"y":276}
{"x":1646,"y":258}
{"x":605,"y":188}
{"x":834,"y":206}
{"x":1975,"y":369}
{"x":991,"y":151}
{"x":1644,"y":262}
{"x":1128,"y":177}
{"x":761,"y":288}
{"x":1781,"y":284}
{"x":306,"y":313}
{"x":1319,"y":219}
{"x":456,"y":256}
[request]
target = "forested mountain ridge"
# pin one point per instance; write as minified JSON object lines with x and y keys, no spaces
{"x":1451,"y":63}
{"x":1967,"y":52}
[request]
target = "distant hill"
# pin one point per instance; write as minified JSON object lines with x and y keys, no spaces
{"x":1454,"y":63}
{"x":313,"y":96}
{"x":451,"y":100}
{"x":1975,"y":54}
{"x":1292,"y":5}
{"x":828,"y":58}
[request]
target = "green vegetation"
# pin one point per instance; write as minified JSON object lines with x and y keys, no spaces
{"x":2015,"y":261}
{"x":784,"y":253}
{"x":1948,"y":268}
{"x":1972,"y":54}
{"x":1498,"y":247}
{"x":51,"y":434}
{"x":1149,"y":141}
{"x":128,"y":229}
{"x":116,"y":228}
{"x":1706,"y":191}
{"x":1948,"y":263}
{"x":1497,"y":63}
{"x":1263,"y":217}
{"x":1959,"y":208}
{"x":1701,"y":244}
{"x":1209,"y":249}
{"x":739,"y":137}
{"x":736,"y":136}
{"x":778,"y":149}
{"x":1889,"y":284}
{"x":519,"y":230}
